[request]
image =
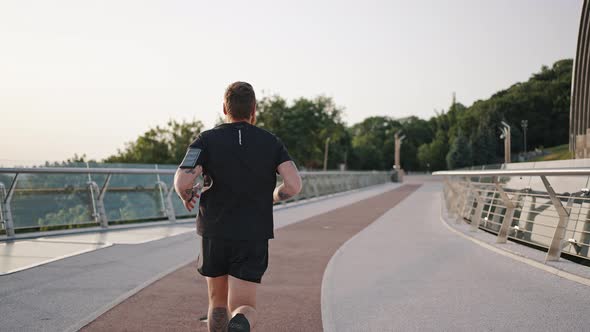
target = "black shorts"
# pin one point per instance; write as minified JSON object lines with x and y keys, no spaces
{"x":246,"y":260}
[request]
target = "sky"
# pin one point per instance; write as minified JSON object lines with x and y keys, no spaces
{"x":85,"y":77}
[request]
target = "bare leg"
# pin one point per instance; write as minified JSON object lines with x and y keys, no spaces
{"x":218,"y":316}
{"x":242,"y":299}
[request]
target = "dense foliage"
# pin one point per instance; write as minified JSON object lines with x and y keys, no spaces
{"x":459,"y":137}
{"x":304,"y":128}
{"x":160,"y":145}
{"x":543,"y":100}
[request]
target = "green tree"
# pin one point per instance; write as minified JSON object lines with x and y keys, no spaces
{"x":304,"y":127}
{"x":432,"y":156}
{"x":543,"y":100}
{"x":459,"y":155}
{"x":373,"y":143}
{"x":418,"y":132}
{"x":159,"y":145}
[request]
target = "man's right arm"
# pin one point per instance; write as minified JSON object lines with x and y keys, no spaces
{"x":291,"y":185}
{"x":184,"y":184}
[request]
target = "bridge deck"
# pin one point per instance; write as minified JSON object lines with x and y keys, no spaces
{"x":24,"y":254}
{"x":426,"y":278}
{"x":290,"y":298}
{"x":403,"y":270}
{"x":66,"y":294}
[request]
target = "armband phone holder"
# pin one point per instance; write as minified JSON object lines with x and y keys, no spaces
{"x":191,"y":158}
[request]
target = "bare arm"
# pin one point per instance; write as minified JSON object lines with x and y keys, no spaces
{"x":291,"y":185}
{"x":184,"y":183}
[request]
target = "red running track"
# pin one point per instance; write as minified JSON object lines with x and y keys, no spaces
{"x":289,"y":298}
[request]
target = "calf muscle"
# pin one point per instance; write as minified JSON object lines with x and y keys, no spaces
{"x":218,"y":319}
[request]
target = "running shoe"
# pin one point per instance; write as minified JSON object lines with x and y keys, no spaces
{"x":239,"y":323}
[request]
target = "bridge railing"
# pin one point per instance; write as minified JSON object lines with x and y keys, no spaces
{"x":69,"y":198}
{"x":548,"y":208}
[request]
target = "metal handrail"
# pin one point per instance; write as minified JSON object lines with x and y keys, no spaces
{"x":467,"y":202}
{"x":568,"y":171}
{"x":80,"y":170}
{"x":319,"y":182}
{"x":95,"y":170}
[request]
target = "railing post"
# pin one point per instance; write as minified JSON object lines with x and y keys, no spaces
{"x":102,"y":213}
{"x":7,"y":215}
{"x":466,"y":201}
{"x":2,"y":197}
{"x":454,"y":202}
{"x":446,"y":192}
{"x":478,"y":210}
{"x":94,"y":190}
{"x":449,"y":195}
{"x":172,"y":215}
{"x":508,"y":216}
{"x":556,"y":245}
{"x":314,"y":184}
{"x":463,"y":192}
{"x":168,"y":206}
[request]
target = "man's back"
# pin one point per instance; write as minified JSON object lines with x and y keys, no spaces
{"x":235,"y":213}
{"x":241,"y":159}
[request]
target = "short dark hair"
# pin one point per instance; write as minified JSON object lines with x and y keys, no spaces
{"x":240,"y":100}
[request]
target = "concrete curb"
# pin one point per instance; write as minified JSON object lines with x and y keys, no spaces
{"x":522,"y":259}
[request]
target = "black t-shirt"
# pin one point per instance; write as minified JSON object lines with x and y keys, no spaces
{"x":242,"y":161}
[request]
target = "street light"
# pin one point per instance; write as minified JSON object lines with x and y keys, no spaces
{"x":524,"y":124}
{"x":326,"y":154}
{"x":398,"y":145}
{"x":505,"y":129}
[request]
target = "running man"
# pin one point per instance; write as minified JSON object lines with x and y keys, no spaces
{"x":239,"y":162}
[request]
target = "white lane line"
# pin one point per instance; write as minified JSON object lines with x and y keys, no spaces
{"x":531,"y":262}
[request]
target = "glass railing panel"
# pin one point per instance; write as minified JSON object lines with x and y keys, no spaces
{"x":45,"y":201}
{"x":131,"y":197}
{"x":516,"y":183}
{"x":5,"y":181}
{"x":69,"y":200}
{"x":577,"y":231}
{"x":568,"y":190}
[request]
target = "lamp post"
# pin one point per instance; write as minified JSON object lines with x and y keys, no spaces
{"x":524,"y":124}
{"x":398,"y":145}
{"x":506,"y":137}
{"x":326,"y":154}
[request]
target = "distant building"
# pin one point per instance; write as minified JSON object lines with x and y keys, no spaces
{"x":579,"y":140}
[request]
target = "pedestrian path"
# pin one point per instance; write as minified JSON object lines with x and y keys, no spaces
{"x":67,"y":293}
{"x":290,"y":298}
{"x":24,"y":254}
{"x":408,"y":272}
{"x":378,"y":259}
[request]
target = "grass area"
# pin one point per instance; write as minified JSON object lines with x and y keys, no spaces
{"x":560,"y":152}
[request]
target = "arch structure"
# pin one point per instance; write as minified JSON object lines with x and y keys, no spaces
{"x":579,"y":140}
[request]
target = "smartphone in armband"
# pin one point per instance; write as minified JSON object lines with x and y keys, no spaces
{"x":191,"y":158}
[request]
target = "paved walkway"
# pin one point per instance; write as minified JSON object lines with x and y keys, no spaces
{"x":408,"y":272}
{"x":24,"y":254}
{"x":291,"y":294}
{"x":373,"y":260}
{"x":66,"y":294}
